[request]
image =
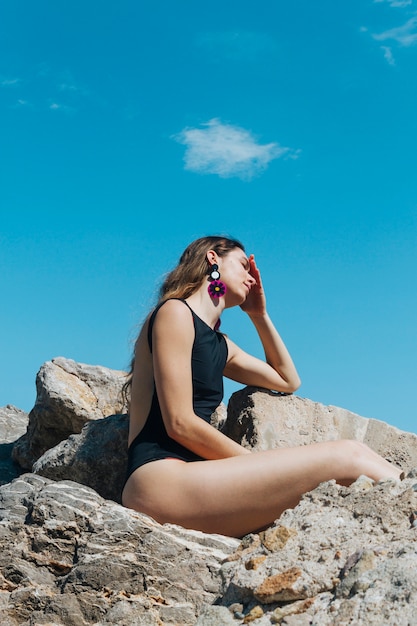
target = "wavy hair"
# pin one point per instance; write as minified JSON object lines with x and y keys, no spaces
{"x":187,"y":277}
{"x":193,"y":266}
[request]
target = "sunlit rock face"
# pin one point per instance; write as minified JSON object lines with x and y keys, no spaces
{"x":70,"y":554}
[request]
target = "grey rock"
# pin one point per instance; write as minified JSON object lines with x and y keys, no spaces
{"x":72,"y":557}
{"x":13,"y":423}
{"x":69,"y":395}
{"x":219,"y":416}
{"x":261,"y":420}
{"x":97,"y":457}
{"x":215,"y":616}
{"x":342,"y":555}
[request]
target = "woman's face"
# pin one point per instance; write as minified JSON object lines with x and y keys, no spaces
{"x":234,"y":271}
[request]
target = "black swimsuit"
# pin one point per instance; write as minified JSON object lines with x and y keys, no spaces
{"x":208,"y":359}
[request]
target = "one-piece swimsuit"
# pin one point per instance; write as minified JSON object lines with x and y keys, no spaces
{"x":208,"y":359}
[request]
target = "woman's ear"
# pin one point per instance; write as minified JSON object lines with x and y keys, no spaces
{"x":212,"y":257}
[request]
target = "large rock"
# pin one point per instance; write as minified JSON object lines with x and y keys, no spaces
{"x":13,"y":423}
{"x":261,"y":420}
{"x":255,"y":418}
{"x":69,"y":395}
{"x":343,"y":555}
{"x":97,"y":457}
{"x":68,"y":557}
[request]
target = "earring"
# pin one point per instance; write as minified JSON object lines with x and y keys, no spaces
{"x":216,"y":288}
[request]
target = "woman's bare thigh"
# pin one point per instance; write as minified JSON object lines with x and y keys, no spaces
{"x":241,"y":494}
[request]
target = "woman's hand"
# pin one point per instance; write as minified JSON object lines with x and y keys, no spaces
{"x":255,"y":303}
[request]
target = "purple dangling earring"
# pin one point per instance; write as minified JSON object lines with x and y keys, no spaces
{"x":216,"y":288}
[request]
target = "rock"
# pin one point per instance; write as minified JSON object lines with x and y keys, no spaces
{"x":261,"y":420}
{"x":349,"y":558}
{"x":215,"y":616}
{"x":70,"y":557}
{"x":13,"y":423}
{"x":97,"y":457}
{"x":67,"y":438}
{"x":219,"y":416}
{"x":342,"y":555}
{"x":69,"y":395}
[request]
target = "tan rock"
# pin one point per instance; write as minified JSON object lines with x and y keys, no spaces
{"x":97,"y":457}
{"x":69,"y":395}
{"x":343,"y":555}
{"x":68,"y":555}
{"x":13,"y":424}
{"x":279,"y":587}
{"x":253,"y":614}
{"x":275,"y":538}
{"x":262,"y":420}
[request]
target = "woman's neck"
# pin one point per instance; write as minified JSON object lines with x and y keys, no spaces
{"x":208,"y":309}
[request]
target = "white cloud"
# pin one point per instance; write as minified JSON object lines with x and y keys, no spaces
{"x":66,"y":83}
{"x":64,"y":108}
{"x":9,"y":82}
{"x":227,"y":150}
{"x":388,"y":56}
{"x":21,"y":104}
{"x":68,"y":87}
{"x":397,"y":3}
{"x":405,"y":35}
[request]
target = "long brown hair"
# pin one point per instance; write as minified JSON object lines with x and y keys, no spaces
{"x":188,"y":275}
{"x":193,"y":266}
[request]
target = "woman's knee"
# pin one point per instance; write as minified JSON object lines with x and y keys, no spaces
{"x":355,"y":456}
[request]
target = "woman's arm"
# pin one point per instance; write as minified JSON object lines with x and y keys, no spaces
{"x":278,"y":372}
{"x":172,"y":342}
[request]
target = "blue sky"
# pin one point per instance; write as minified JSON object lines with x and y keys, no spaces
{"x":129,"y":129}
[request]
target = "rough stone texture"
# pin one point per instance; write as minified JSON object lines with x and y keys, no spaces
{"x":13,"y":423}
{"x":96,"y":457}
{"x":342,"y":556}
{"x":350,"y":557}
{"x":261,"y":420}
{"x":219,"y":416}
{"x":69,"y":395}
{"x":70,"y":557}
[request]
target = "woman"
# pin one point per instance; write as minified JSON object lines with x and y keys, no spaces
{"x":181,"y":469}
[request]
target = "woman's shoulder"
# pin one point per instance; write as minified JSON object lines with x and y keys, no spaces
{"x":172,"y":317}
{"x":173,"y":309}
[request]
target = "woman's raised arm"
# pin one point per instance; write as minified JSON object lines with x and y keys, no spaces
{"x":278,"y":372}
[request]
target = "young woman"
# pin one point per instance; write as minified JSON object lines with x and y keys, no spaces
{"x":182,"y":470}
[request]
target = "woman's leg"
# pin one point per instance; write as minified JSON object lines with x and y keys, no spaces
{"x":241,"y":494}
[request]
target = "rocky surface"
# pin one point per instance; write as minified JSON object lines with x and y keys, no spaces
{"x":96,"y":457}
{"x":342,"y":556}
{"x":71,"y":554}
{"x":69,"y":395}
{"x":261,"y":420}
{"x":70,"y":557}
{"x":13,"y":424}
